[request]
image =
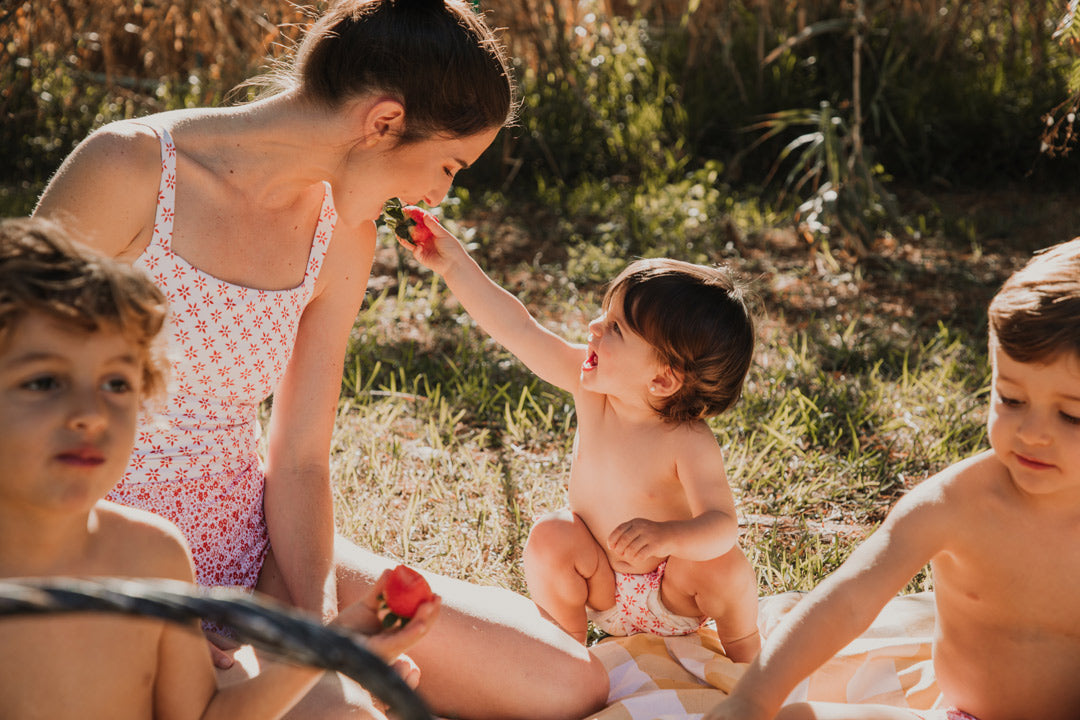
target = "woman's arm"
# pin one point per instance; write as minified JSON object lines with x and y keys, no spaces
{"x":298,"y":500}
{"x":498,"y":312}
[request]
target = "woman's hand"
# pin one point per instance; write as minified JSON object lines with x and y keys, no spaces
{"x":362,"y":617}
{"x":221,"y":649}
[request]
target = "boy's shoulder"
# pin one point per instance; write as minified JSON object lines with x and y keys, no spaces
{"x":141,"y":543}
{"x":978,"y":474}
{"x":964,"y":487}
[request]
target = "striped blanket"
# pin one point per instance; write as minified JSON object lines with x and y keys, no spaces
{"x":655,"y":678}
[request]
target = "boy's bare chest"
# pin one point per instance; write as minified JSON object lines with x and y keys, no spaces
{"x":1018,"y":576}
{"x":106,"y":666}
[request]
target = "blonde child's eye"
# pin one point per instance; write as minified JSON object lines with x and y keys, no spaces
{"x":42,"y":383}
{"x":616,"y":329}
{"x":117,"y":385}
{"x":1071,"y":419}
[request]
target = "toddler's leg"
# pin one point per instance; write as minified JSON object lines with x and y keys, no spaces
{"x":566,"y":570}
{"x":725,"y":589}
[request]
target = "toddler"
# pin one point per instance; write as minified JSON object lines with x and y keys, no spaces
{"x":78,"y":355}
{"x":1001,"y":531}
{"x":649,"y":542}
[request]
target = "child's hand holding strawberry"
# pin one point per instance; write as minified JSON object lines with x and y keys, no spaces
{"x":389,"y":642}
{"x":418,"y":231}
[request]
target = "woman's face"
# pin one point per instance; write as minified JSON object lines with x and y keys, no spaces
{"x":425,"y":170}
{"x":421,"y":171}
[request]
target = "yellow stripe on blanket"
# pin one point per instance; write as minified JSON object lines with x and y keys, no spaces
{"x":653,"y":678}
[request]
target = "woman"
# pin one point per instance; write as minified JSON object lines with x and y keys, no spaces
{"x":261,"y":233}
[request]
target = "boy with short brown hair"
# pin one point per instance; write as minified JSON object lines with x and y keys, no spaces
{"x":1001,"y":531}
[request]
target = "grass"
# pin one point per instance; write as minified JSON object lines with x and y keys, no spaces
{"x":447,"y":447}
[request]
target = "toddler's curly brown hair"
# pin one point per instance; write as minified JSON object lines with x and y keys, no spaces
{"x":698,"y":320}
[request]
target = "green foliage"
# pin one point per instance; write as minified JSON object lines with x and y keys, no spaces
{"x":609,"y":109}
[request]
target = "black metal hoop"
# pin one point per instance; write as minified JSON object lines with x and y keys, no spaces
{"x":270,"y":626}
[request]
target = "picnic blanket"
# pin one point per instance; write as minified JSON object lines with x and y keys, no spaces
{"x":655,"y":678}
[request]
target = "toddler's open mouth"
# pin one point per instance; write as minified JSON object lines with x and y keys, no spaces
{"x":590,"y":361}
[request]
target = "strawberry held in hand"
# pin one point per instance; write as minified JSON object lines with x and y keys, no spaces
{"x":421,"y":235}
{"x":405,"y":591}
{"x":407,"y":223}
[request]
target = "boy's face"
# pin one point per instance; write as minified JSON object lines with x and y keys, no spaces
{"x":1034,"y":422}
{"x":68,"y":403}
{"x":618,"y":361}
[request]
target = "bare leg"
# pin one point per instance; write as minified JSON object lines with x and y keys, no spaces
{"x":842,"y":711}
{"x":336,"y":696}
{"x":566,"y":570}
{"x":490,"y":654}
{"x":725,"y":589}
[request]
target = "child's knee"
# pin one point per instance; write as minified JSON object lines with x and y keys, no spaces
{"x":730,"y":576}
{"x":553,"y":539}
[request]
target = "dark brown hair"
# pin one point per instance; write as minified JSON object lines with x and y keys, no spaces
{"x":1035,"y":316}
{"x":437,"y":57}
{"x":42,"y":271}
{"x":698,"y":321}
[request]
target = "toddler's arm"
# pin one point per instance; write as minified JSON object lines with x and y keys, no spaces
{"x":498,"y":312}
{"x":841,"y":607}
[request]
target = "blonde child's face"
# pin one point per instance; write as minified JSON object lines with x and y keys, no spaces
{"x":68,"y":403}
{"x":618,"y":361}
{"x":1034,"y":422}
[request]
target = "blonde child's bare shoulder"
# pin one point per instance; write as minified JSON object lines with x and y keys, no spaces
{"x":133,"y":542}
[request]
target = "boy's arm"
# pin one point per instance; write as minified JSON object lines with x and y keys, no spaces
{"x":842,"y":606}
{"x":498,"y":312}
{"x":713,"y":528}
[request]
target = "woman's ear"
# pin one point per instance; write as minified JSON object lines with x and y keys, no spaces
{"x":666,"y":382}
{"x":382,"y":120}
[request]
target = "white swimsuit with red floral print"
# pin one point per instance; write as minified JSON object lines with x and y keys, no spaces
{"x":196,"y":460}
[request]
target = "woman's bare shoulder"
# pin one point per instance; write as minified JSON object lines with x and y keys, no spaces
{"x":105,"y":192}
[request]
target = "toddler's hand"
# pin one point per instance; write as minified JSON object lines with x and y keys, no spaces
{"x":432,"y":245}
{"x":639,"y":539}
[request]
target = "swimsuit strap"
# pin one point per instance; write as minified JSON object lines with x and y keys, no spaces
{"x":166,"y":199}
{"x":324,"y":231}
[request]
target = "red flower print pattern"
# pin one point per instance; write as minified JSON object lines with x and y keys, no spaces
{"x":632,"y":612}
{"x":195,"y":460}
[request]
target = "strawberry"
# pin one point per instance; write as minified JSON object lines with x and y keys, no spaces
{"x":405,"y":591}
{"x":407,"y":223}
{"x":420,"y":232}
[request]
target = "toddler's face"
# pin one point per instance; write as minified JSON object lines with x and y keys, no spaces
{"x":68,"y":403}
{"x":1034,"y":423}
